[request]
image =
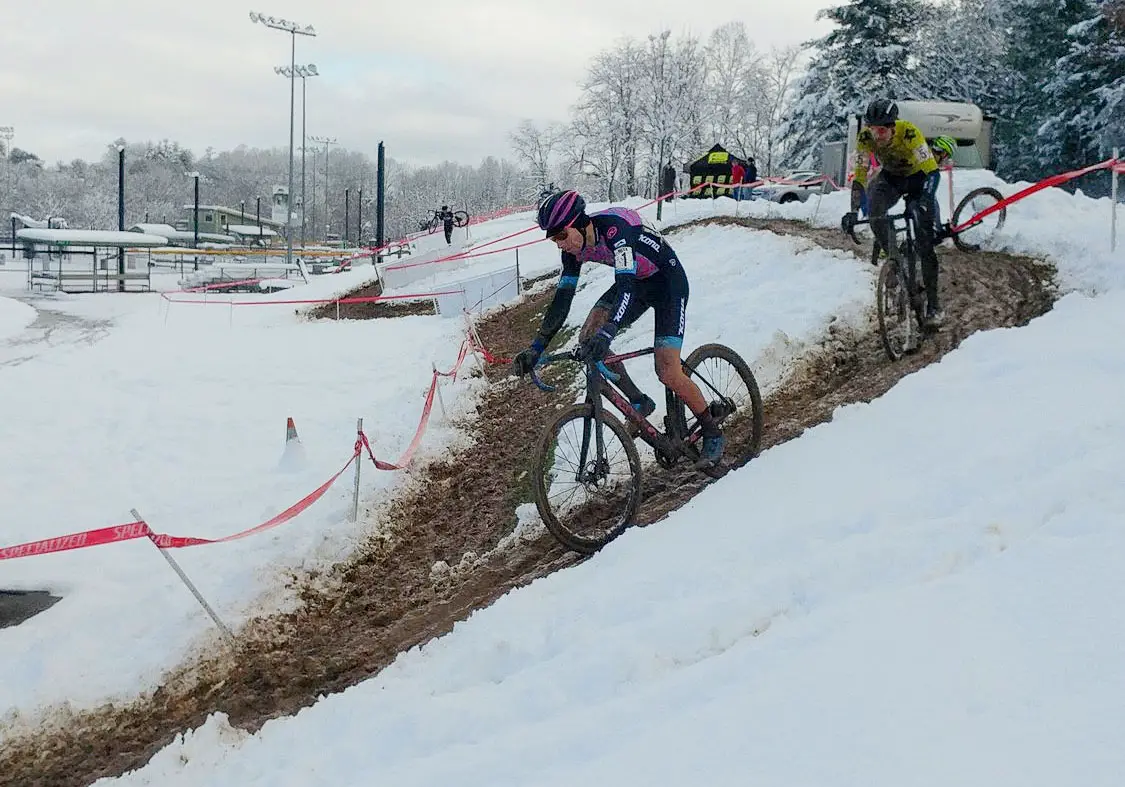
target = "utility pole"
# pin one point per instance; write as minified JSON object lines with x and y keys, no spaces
{"x":380,"y":185}
{"x":121,"y":214}
{"x":327,"y":142}
{"x":6,"y":134}
{"x":294,"y":29}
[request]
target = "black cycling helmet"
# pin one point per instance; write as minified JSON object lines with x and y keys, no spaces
{"x":445,"y":207}
{"x":561,"y":210}
{"x":881,"y":112}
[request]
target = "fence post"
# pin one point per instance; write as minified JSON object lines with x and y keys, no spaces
{"x":474,"y":341}
{"x":437,"y":389}
{"x":226,"y":632}
{"x":518,"y":288}
{"x":358,"y":462}
{"x":816,"y":210}
{"x":1113,"y":202}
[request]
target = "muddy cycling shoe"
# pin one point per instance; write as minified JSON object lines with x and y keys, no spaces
{"x":935,"y":318}
{"x":644,"y":406}
{"x":712,"y":451}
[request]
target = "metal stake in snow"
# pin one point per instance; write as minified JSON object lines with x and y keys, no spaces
{"x":474,"y":343}
{"x":226,"y":632}
{"x":816,"y":210}
{"x":437,"y":390}
{"x":358,"y":463}
{"x":1113,"y":202}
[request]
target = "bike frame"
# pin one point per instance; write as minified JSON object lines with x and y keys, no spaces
{"x":906,"y":271}
{"x":599,"y":384}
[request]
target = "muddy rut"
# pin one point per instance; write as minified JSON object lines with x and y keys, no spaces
{"x":456,"y":513}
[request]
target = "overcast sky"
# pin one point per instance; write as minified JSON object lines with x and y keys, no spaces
{"x":437,"y":80}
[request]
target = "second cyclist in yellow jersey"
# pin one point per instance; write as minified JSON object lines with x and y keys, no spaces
{"x":906,"y":169}
{"x":904,"y":152}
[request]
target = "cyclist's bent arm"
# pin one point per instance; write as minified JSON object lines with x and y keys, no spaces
{"x":560,"y":305}
{"x":861,"y":169}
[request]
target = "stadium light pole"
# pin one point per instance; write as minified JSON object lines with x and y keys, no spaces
{"x":294,"y":29}
{"x":195,"y":211}
{"x":327,"y":142}
{"x":6,"y":134}
{"x":304,"y":72}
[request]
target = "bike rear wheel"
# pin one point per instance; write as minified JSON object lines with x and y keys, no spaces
{"x":973,"y":203}
{"x":460,"y":218}
{"x":586,"y":501}
{"x":731,"y":392}
{"x":898,"y":324}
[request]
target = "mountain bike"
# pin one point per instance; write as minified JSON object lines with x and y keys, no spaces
{"x":586,"y":472}
{"x":899,"y":295}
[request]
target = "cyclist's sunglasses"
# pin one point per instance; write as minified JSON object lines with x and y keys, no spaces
{"x":560,"y":235}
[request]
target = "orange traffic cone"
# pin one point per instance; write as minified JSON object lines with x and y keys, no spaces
{"x":291,"y":431}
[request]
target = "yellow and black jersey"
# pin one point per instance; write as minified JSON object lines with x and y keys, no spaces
{"x":905,"y":153}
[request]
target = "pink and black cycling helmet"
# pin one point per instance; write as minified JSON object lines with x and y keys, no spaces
{"x":561,"y":210}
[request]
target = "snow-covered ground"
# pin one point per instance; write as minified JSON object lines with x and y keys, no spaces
{"x":922,"y":591}
{"x":179,"y":410}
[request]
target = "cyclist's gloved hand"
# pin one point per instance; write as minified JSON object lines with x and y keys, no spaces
{"x":597,"y":345}
{"x":526,"y":360}
{"x":848,"y":221}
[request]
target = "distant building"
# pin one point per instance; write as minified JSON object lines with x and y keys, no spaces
{"x":185,"y":238}
{"x":219,"y":220}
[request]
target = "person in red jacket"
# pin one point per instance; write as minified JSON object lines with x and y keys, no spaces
{"x":737,"y":173}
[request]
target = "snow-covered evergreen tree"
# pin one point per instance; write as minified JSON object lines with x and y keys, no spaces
{"x":872,"y":52}
{"x":961,"y":53}
{"x":1037,"y":39}
{"x":1087,"y":97}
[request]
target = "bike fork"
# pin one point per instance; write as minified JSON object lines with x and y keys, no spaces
{"x":593,"y":423}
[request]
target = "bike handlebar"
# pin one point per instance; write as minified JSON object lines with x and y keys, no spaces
{"x":851,"y":230}
{"x":573,"y":355}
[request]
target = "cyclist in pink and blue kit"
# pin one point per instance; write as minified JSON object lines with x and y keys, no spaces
{"x":647,"y":274}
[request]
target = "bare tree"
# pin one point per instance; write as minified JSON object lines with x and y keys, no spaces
{"x":676,"y":79}
{"x":535,"y":147}
{"x":613,"y":90}
{"x":735,"y":82}
{"x":780,"y":70}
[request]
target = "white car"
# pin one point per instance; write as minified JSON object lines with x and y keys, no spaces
{"x":805,"y":182}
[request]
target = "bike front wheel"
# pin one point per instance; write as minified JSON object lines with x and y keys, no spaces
{"x":585,"y":499}
{"x":971,"y":238}
{"x":461,"y":218}
{"x":731,"y":392}
{"x":897,"y":324}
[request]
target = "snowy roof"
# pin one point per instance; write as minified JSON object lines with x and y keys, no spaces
{"x":249,"y":229}
{"x":214,"y":237}
{"x":112,"y":238}
{"x":171,"y":233}
{"x":153,"y":229}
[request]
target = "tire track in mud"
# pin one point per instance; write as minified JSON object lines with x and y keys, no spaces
{"x":51,"y":329}
{"x":455,"y":514}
